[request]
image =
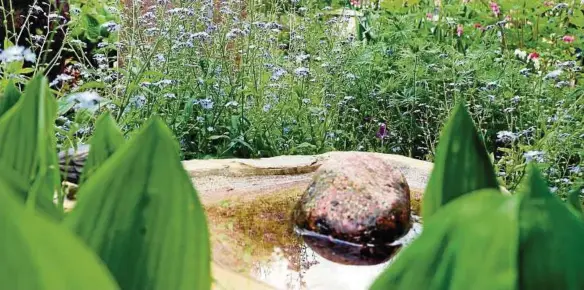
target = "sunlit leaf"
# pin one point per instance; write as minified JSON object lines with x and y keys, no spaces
{"x":27,"y":134}
{"x":63,"y":106}
{"x":462,"y":164}
{"x":107,"y":138}
{"x":551,"y":254}
{"x":39,"y":254}
{"x":485,"y":240}
{"x":575,"y":203}
{"x":140,"y":212}
{"x":470,"y":243}
{"x":91,"y":26}
{"x":577,"y":18}
{"x":9,"y":98}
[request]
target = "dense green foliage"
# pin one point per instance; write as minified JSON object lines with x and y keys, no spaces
{"x":479,"y":238}
{"x":266,"y":80}
{"x":138,"y":211}
{"x":139,"y":220}
{"x":271,"y":78}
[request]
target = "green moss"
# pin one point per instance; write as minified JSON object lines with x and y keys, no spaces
{"x":247,"y":231}
{"x":416,"y":200}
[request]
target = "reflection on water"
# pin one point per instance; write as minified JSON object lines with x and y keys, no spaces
{"x":317,"y":272}
{"x":256,"y":238}
{"x":347,"y":253}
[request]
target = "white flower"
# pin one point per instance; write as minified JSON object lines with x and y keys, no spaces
{"x":302,"y":57}
{"x":302,"y":71}
{"x":138,"y":101}
{"x":163,"y":83}
{"x":17,"y":53}
{"x":520,"y":54}
{"x":111,"y":26}
{"x":506,"y":136}
{"x":537,"y":156}
{"x":207,"y":104}
{"x":232,"y":104}
{"x":86,"y":100}
{"x":200,"y":36}
{"x":235,"y":33}
{"x":277,"y":73}
{"x":61,"y":78}
{"x":553,"y":74}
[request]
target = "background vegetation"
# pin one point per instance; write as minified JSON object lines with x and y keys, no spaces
{"x":267,"y":78}
{"x":271,"y":78}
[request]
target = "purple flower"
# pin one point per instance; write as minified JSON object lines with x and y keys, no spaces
{"x":382,"y":132}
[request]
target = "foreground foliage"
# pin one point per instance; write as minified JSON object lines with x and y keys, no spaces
{"x":139,"y":223}
{"x":475,"y":237}
{"x":138,"y":211}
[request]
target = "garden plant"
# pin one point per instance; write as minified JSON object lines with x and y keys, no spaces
{"x":490,"y":91}
{"x":139,"y":223}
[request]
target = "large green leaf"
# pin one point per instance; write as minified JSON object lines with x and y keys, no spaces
{"x":574,"y":202}
{"x":39,"y":254}
{"x":577,"y":18}
{"x":28,"y":142}
{"x":140,"y":212}
{"x":462,"y":164}
{"x":470,"y":243}
{"x":551,"y":253}
{"x":106,"y":139}
{"x":9,"y":98}
{"x":485,"y":240}
{"x":90,"y":26}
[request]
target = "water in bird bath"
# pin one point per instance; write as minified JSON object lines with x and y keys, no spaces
{"x":255,"y":238}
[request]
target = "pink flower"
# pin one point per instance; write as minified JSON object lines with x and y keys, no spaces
{"x":568,"y":38}
{"x":429,"y":16}
{"x":382,"y":133}
{"x":459,"y":30}
{"x":534,"y":55}
{"x":495,"y":8}
{"x":355,"y":3}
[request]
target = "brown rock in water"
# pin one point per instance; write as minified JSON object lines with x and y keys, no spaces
{"x":358,"y":198}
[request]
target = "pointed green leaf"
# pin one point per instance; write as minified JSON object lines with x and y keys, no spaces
{"x":462,"y":164}
{"x":574,"y":202}
{"x":140,"y":212}
{"x":28,"y":142}
{"x":551,"y":254}
{"x":63,"y":106}
{"x":577,"y":18}
{"x":10,"y":97}
{"x":470,"y":243}
{"x":39,"y":254}
{"x":106,"y":139}
{"x":484,"y":240}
